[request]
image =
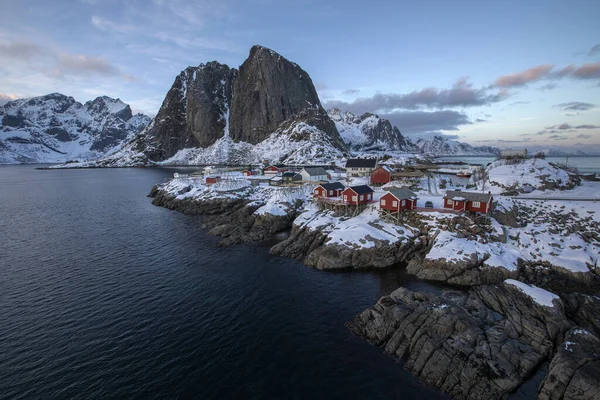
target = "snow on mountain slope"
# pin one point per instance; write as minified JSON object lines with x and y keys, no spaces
{"x":368,"y":132}
{"x":533,"y":172}
{"x":56,"y":128}
{"x":439,"y":146}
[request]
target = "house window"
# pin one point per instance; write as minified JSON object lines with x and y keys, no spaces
{"x":316,"y":191}
{"x":331,"y":192}
{"x":476,"y":204}
{"x":383,"y":202}
{"x":353,"y":198}
{"x":394,"y":203}
{"x":345,"y":198}
{"x":403,"y":202}
{"x":361,"y":197}
{"x":450,"y":202}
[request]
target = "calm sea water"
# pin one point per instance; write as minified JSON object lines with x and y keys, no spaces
{"x":584,"y":164}
{"x":103,"y":295}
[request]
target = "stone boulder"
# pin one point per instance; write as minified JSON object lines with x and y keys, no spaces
{"x":480,"y":345}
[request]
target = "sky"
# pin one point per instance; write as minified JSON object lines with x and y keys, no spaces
{"x":501,"y":73}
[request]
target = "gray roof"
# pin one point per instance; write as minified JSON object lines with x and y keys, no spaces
{"x":332,"y":186}
{"x":361,"y":163}
{"x":315,"y":171}
{"x":402,"y":193}
{"x":471,"y":196}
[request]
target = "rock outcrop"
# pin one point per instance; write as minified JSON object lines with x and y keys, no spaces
{"x":483,"y":344}
{"x":194,"y":113}
{"x":234,"y":219}
{"x":269,"y":91}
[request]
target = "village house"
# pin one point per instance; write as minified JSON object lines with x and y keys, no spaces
{"x":313,"y":174}
{"x":381,"y":175}
{"x":458,"y":200}
{"x":398,"y":199}
{"x":360,"y":166}
{"x":333,"y":189}
{"x":212,"y":179}
{"x":250,"y":172}
{"x":357,"y":195}
{"x":276,"y":181}
{"x":291,"y":177}
{"x":271,"y":170}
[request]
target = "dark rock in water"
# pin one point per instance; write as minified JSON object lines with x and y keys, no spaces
{"x":480,"y":345}
{"x":269,"y":91}
{"x":574,"y":372}
{"x":232,"y":219}
{"x":194,"y":112}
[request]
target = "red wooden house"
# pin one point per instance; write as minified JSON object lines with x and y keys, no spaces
{"x":357,"y":195}
{"x":271,"y":169}
{"x":333,"y":189}
{"x":468,"y":201}
{"x":381,"y":175}
{"x":247,"y":172}
{"x":212,"y":179}
{"x":398,"y":199}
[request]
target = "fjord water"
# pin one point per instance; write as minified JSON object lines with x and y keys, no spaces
{"x":103,"y":295}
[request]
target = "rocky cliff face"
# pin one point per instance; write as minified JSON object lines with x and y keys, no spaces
{"x":268,"y":109}
{"x":194,"y":113}
{"x":368,"y":132}
{"x":57,"y":128}
{"x":271,"y":90}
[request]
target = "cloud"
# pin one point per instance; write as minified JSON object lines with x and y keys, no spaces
{"x":461,"y":94}
{"x":558,"y":137}
{"x":548,"y":72}
{"x":522,"y":78}
{"x":575,"y":106}
{"x":6,"y":97}
{"x":320,"y":86}
{"x":583,"y":136}
{"x":350,"y":91}
{"x":548,"y":86}
{"x":110,"y":26}
{"x":55,"y":62}
{"x":594,"y":50}
{"x":424,"y":122}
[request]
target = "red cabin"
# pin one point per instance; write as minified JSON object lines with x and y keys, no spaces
{"x":212,"y":179}
{"x":247,"y":172}
{"x":333,"y":189}
{"x":398,"y":199}
{"x":468,"y":201}
{"x":271,"y":169}
{"x":357,"y":195}
{"x":381,"y":175}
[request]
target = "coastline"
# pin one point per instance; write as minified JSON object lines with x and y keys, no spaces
{"x":485,"y":258}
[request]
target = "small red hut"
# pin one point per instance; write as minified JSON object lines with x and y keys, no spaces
{"x":212,"y":179}
{"x":398,"y":199}
{"x":247,"y":172}
{"x":468,"y":201}
{"x":357,"y":195}
{"x":271,"y":169}
{"x":333,"y":189}
{"x":381,"y":175}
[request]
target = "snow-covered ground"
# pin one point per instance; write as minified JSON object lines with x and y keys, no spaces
{"x":539,"y":295}
{"x":536,"y":173}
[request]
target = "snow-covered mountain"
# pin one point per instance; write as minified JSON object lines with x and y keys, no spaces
{"x":56,"y":128}
{"x":368,"y":132}
{"x":268,"y":109}
{"x":440,"y":146}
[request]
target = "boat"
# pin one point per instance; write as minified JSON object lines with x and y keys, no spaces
{"x":464,"y":174}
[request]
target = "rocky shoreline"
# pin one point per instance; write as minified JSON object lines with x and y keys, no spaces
{"x":482,"y":343}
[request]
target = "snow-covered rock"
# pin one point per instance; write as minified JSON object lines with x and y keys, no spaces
{"x":56,"y":128}
{"x":440,"y":146}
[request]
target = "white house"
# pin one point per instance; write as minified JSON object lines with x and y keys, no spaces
{"x":313,"y":174}
{"x":360,"y":166}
